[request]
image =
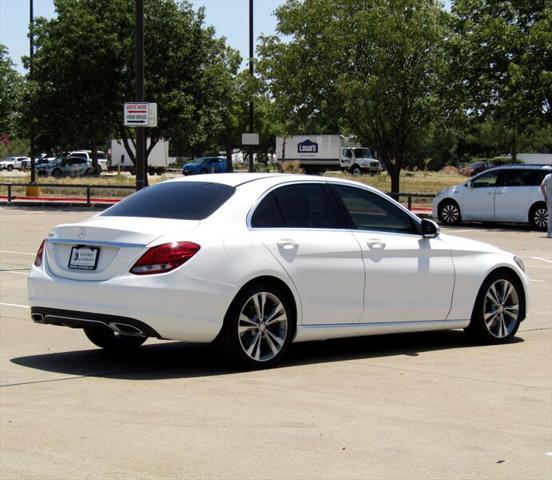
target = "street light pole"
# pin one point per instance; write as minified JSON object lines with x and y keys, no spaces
{"x":251,"y":72}
{"x":141,"y":174}
{"x":31,"y":54}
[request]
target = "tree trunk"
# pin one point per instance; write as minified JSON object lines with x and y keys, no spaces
{"x":514,"y":148}
{"x":395,"y":174}
{"x":94,"y":149}
{"x":125,"y":137}
{"x":229,"y":164}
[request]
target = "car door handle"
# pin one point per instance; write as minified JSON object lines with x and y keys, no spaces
{"x":287,"y":244}
{"x":375,"y":243}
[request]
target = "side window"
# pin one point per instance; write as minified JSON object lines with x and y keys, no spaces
{"x":369,"y":211}
{"x":267,"y":214}
{"x":309,"y":205}
{"x":485,"y":180}
{"x":511,"y":178}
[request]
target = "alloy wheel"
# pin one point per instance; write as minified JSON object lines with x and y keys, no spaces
{"x":501,"y":308}
{"x":450,"y":214}
{"x":262,"y":326}
{"x":540,"y":217}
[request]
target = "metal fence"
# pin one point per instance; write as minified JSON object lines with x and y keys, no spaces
{"x":89,"y":188}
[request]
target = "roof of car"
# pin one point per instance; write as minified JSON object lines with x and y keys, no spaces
{"x":237,"y":179}
{"x":517,"y":165}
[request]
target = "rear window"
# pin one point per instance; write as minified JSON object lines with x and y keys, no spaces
{"x":178,"y":200}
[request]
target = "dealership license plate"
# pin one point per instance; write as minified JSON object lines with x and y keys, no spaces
{"x":84,"y":258}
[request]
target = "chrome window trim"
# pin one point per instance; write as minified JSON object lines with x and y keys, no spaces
{"x":385,"y":197}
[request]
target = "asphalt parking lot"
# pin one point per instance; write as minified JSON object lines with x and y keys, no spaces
{"x":427,"y":406}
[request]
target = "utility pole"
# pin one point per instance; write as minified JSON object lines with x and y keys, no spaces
{"x":141,"y":172}
{"x":31,"y":54}
{"x":251,"y":72}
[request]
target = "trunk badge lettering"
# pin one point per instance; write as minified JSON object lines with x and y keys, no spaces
{"x":82,"y":233}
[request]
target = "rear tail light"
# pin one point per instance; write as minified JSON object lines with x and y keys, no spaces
{"x":164,"y":258}
{"x":39,"y":254}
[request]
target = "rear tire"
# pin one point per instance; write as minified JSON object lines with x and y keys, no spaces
{"x":258,"y":327}
{"x":498,"y":308}
{"x":111,"y":341}
{"x":538,"y":216}
{"x":56,"y":173}
{"x":449,"y":213}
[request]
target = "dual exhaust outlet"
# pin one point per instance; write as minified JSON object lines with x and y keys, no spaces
{"x":117,"y":327}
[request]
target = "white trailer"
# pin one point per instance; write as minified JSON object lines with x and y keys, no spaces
{"x":158,"y":159}
{"x":318,"y":153}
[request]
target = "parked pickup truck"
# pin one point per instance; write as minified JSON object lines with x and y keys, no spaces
{"x":205,"y":165}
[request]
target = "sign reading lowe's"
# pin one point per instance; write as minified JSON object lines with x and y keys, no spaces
{"x":307,"y":146}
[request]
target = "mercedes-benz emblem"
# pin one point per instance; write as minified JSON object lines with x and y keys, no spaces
{"x":82,"y":233}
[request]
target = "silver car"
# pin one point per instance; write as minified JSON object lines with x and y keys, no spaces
{"x":70,"y":166}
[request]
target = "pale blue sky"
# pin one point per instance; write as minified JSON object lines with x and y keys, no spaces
{"x":229,"y":17}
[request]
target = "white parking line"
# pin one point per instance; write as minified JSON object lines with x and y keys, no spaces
{"x":13,"y":272}
{"x":537,"y":281}
{"x":541,"y":259}
{"x":14,"y":305}
{"x":17,"y":253}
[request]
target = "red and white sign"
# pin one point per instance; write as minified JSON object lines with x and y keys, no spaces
{"x":140,"y":114}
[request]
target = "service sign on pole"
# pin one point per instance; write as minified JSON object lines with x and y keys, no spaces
{"x":140,"y":114}
{"x":250,"y":139}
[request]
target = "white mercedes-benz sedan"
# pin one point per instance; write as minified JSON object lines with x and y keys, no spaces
{"x":254,"y":262}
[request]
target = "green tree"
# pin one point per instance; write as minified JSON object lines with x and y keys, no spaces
{"x":502,"y":63}
{"x":84,"y":72}
{"x":371,"y":66}
{"x":11,"y":89}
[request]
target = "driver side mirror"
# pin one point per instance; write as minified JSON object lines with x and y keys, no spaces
{"x":469,"y":184}
{"x":429,"y":228}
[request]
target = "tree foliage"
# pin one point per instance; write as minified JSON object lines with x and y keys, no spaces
{"x":11,"y":89}
{"x":373,"y":67}
{"x":84,"y":72}
{"x":501,"y":62}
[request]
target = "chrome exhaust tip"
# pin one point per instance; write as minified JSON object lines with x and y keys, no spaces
{"x":126,"y":329}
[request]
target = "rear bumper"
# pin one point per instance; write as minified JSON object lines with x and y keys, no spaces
{"x":75,"y":319}
{"x":172,"y":306}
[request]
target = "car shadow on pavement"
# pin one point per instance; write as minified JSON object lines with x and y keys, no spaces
{"x":182,"y":360}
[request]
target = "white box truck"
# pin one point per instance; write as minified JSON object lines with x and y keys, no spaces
{"x":158,"y":159}
{"x":318,"y":153}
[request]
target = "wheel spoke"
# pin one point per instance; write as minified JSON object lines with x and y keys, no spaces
{"x":279,"y":318}
{"x":493,"y":295}
{"x":253,"y":344}
{"x":271,"y":344}
{"x":257,"y":307}
{"x":502,"y":331}
{"x":507,"y":291}
{"x":279,"y":341}
{"x":244,"y":319}
{"x":249,"y":328}
{"x":278,"y":308}
{"x":490,"y":321}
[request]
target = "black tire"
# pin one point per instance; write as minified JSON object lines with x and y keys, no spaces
{"x":10,"y":168}
{"x":356,"y":171}
{"x":89,"y":172}
{"x":151,"y":171}
{"x":538,"y":216}
{"x":233,"y":345}
{"x":449,"y":213}
{"x":481,"y":330}
{"x":160,"y":171}
{"x":56,"y":173}
{"x":203,"y":170}
{"x":111,"y":341}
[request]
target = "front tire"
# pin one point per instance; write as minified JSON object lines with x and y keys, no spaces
{"x":498,"y":309}
{"x":56,"y":173}
{"x":449,"y":213}
{"x":356,"y":171}
{"x":258,"y":327}
{"x":538,"y":216}
{"x":111,"y":341}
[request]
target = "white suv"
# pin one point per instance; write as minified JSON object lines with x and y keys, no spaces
{"x":503,"y":194}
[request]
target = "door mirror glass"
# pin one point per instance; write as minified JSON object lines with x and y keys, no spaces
{"x":429,"y":228}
